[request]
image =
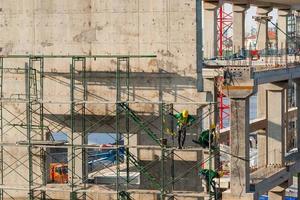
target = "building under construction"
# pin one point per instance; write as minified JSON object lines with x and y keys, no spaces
{"x":122,"y":70}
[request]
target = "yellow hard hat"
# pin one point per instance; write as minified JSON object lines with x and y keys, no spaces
{"x":212,"y":126}
{"x":221,"y":174}
{"x":185,"y":113}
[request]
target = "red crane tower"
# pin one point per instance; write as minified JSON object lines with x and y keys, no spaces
{"x":224,"y":28}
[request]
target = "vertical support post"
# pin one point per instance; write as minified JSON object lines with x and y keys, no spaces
{"x":276,"y":130}
{"x":298,"y":192}
{"x":239,"y":137}
{"x":29,"y":126}
{"x":282,"y":24}
{"x":127,"y":122}
{"x":210,"y":27}
{"x":209,"y":146}
{"x":173,"y":144}
{"x":84,"y":139}
{"x":262,"y":39}
{"x":239,"y":27}
{"x":118,"y":99}
{"x":1,"y":128}
{"x":72,"y":125}
{"x":297,"y":83}
{"x":120,"y":190}
{"x":163,"y":150}
{"x":262,"y":148}
{"x":221,"y":32}
{"x":78,"y":161}
{"x":199,"y":41}
{"x":261,"y":101}
{"x":43,"y":137}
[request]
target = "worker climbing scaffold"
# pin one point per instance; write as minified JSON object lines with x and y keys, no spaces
{"x":207,"y":140}
{"x":209,"y":175}
{"x":206,"y":137}
{"x":184,"y":120}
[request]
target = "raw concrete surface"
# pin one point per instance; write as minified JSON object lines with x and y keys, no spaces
{"x":160,"y":27}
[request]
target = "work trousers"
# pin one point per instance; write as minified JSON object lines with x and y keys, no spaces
{"x":181,"y":136}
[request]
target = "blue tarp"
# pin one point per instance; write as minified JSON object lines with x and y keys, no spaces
{"x":105,"y":158}
{"x":264,"y":197}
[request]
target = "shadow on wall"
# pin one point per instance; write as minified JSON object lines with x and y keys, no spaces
{"x":164,"y":82}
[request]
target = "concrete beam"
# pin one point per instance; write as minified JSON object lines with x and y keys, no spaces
{"x":242,"y":86}
{"x":256,"y":124}
{"x":269,"y":76}
{"x":228,"y":196}
{"x":284,"y":12}
{"x":263,"y":11}
{"x":210,"y":5}
{"x":282,"y":186}
{"x":268,"y":182}
{"x":146,"y":154}
{"x":271,"y":3}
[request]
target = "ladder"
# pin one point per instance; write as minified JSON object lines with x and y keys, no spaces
{"x":143,"y":170}
{"x":139,"y":122}
{"x":125,"y":195}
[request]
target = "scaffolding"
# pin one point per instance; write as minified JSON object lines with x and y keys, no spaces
{"x":36,"y":124}
{"x":291,"y":34}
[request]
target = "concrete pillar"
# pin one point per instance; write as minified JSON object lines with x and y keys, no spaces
{"x":263,"y":28}
{"x":277,"y":195}
{"x":261,"y":101}
{"x":275,"y":123}
{"x":297,"y":82}
{"x":262,"y":148}
{"x":210,"y":29}
{"x":282,"y":24}
{"x":239,"y":27}
{"x":239,"y":137}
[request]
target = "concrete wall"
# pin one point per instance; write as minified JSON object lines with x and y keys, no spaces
{"x":185,"y":179}
{"x":161,"y":27}
{"x":166,"y":28}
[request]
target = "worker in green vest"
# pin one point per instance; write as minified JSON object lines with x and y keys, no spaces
{"x":184,"y":120}
{"x":206,"y":137}
{"x":209,"y":175}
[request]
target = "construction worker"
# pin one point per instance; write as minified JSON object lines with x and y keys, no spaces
{"x":184,"y":120}
{"x":206,"y":137}
{"x":209,"y":175}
